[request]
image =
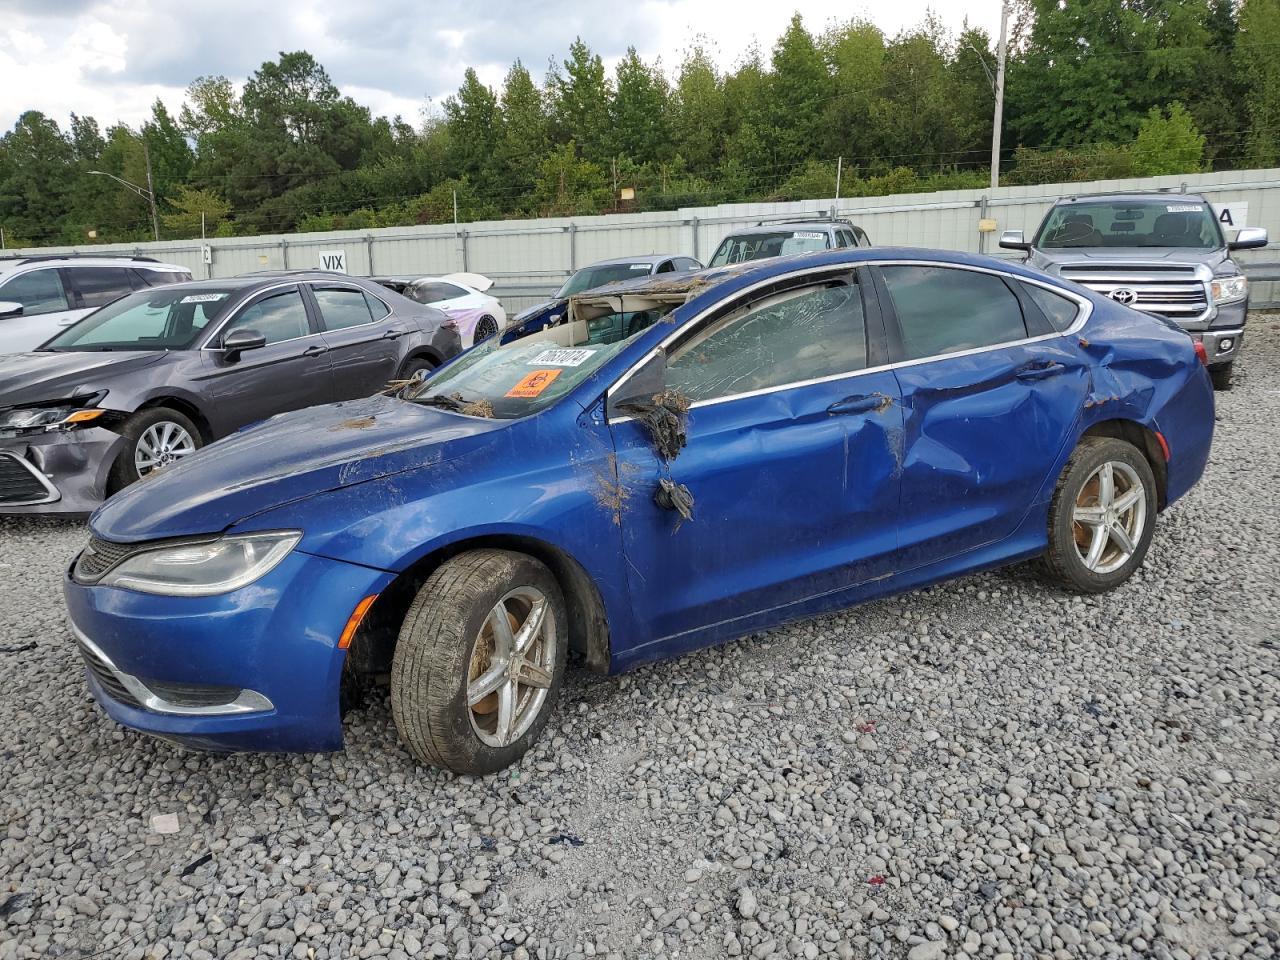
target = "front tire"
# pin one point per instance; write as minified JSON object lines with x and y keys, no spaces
{"x":1102,"y":516}
{"x":1221,"y":376}
{"x":479,"y":662}
{"x":157,"y":437}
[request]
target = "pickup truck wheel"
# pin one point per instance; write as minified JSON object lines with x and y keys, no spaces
{"x":1221,"y":376}
{"x":479,"y":661}
{"x":1102,"y":516}
{"x":157,"y":437}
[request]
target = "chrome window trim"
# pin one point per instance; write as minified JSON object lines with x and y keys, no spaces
{"x":249,"y":701}
{"x":52,"y":494}
{"x":1082,"y":317}
{"x":275,"y":286}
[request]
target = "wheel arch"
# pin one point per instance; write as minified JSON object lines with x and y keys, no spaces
{"x":185,"y":407}
{"x":374,"y":644}
{"x":1146,"y":440}
{"x":420,"y":352}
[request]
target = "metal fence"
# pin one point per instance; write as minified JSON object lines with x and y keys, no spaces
{"x":528,"y":259}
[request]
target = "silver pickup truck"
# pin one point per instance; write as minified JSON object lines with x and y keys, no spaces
{"x":1162,"y":253}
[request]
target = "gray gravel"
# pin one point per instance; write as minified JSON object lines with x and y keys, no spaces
{"x":991,"y":768}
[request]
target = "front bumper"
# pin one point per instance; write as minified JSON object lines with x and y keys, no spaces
{"x":272,"y":646}
{"x":72,"y":467}
{"x":1220,"y":346}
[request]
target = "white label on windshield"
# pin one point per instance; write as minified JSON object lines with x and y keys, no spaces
{"x":560,"y":358}
{"x":1184,"y":207}
{"x":639,"y":266}
{"x":203,"y":298}
{"x":809,"y":235}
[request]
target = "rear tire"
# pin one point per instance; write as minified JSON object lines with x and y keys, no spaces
{"x":1102,"y":516}
{"x":157,"y":435}
{"x":479,"y":661}
{"x":485,"y":328}
{"x":1221,"y":376}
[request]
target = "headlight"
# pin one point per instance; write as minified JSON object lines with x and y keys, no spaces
{"x":1230,"y":289}
{"x":47,"y":418}
{"x":204,"y":569}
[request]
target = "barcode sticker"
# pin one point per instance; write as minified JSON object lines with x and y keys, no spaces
{"x":560,"y":358}
{"x":203,"y":298}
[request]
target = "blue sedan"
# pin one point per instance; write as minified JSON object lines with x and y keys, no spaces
{"x":686,"y":459}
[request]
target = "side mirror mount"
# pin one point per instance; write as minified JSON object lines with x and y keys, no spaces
{"x":1248,"y":238}
{"x":1014,"y":240}
{"x":238,"y":341}
{"x":648,"y":380}
{"x":10,"y":308}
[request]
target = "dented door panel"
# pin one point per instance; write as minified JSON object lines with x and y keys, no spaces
{"x":791,"y":500}
{"x":983,"y":433}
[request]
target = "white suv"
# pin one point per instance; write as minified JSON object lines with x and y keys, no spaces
{"x":43,"y":295}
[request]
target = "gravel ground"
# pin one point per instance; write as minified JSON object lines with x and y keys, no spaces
{"x":990,"y":768}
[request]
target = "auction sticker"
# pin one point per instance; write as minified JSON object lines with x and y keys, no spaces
{"x":809,"y":235}
{"x":560,"y":358}
{"x":1184,"y":207}
{"x":532,"y":384}
{"x":203,"y":298}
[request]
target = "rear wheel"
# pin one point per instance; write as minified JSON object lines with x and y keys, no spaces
{"x":416,"y":368}
{"x":485,"y":329}
{"x":1102,"y":517}
{"x":1221,"y":376}
{"x":157,"y":437}
{"x":479,"y":661}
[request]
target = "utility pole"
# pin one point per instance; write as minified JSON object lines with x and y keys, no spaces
{"x":151,"y":190}
{"x":1001,"y":53}
{"x":839,"y":168}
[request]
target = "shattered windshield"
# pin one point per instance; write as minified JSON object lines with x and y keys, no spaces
{"x":588,"y":278}
{"x":1170,"y":222}
{"x":515,"y":379}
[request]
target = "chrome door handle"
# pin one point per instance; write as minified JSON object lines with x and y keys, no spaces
{"x":860,"y":404}
{"x":1038,"y":370}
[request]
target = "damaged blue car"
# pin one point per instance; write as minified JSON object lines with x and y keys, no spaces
{"x":687,"y":459}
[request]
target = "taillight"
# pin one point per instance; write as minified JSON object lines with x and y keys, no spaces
{"x":1202,"y":353}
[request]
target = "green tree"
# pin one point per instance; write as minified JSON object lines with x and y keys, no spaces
{"x":1258,"y":62}
{"x":35,"y":164}
{"x":1168,"y":143}
{"x":697,"y":112}
{"x":638,"y":111}
{"x":854,"y":113}
{"x":569,"y":185}
{"x":524,"y":138}
{"x":189,"y":205}
{"x":580,"y":98}
{"x":799,"y":88}
{"x":472,"y":118}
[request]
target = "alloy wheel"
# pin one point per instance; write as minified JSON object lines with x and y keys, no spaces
{"x":512,"y":667}
{"x":160,"y":445}
{"x":1109,"y":517}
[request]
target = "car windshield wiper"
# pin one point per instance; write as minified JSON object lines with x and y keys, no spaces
{"x":441,"y":400}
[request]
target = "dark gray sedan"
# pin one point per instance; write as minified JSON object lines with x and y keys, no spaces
{"x":157,"y":374}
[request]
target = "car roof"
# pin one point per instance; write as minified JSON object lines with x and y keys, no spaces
{"x":87,"y":260}
{"x":649,"y":258}
{"x":825,"y":226}
{"x":1136,"y":196}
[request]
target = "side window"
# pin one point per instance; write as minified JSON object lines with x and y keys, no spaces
{"x":1060,"y":311}
{"x":861,"y":237}
{"x":278,"y":318}
{"x":943,"y":310}
{"x":158,"y":278}
{"x":844,"y":238}
{"x":99,"y":285}
{"x":377,"y":308}
{"x":39,"y":291}
{"x":434,"y":292}
{"x":805,"y":334}
{"x":688,"y":263}
{"x":666,"y":266}
{"x":341,"y":307}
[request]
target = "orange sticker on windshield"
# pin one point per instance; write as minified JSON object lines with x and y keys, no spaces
{"x":532,"y":384}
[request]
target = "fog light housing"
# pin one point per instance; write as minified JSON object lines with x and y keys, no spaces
{"x":1225,"y":345}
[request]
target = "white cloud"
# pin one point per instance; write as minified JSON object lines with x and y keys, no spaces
{"x":112,"y":58}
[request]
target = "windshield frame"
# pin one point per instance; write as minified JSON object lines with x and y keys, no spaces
{"x":233,"y":298}
{"x":1086,"y":204}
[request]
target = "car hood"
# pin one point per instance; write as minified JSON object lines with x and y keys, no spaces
{"x":39,"y":377}
{"x":287,"y":458}
{"x":1076,"y":255}
{"x":537,"y":308}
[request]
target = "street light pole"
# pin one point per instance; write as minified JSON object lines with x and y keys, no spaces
{"x":999,"y":117}
{"x":143,"y":192}
{"x":151,"y":190}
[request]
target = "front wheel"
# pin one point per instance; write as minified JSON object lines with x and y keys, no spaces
{"x":1102,"y":516}
{"x":1221,"y":376}
{"x":157,"y":437}
{"x":479,"y":661}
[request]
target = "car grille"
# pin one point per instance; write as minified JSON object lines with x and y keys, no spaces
{"x":1175,"y":292}
{"x":20,"y":484}
{"x":109,"y":682}
{"x":100,"y":556}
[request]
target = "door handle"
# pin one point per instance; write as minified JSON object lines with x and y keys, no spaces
{"x":392,"y":334}
{"x":1038,"y":370}
{"x":314,"y":351}
{"x":860,"y":404}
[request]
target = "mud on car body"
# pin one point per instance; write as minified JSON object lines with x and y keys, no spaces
{"x":689,"y":458}
{"x":157,"y":374}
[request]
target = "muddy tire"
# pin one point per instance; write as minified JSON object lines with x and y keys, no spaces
{"x":157,"y":437}
{"x":479,"y":662}
{"x":1221,"y":376}
{"x":1102,"y":516}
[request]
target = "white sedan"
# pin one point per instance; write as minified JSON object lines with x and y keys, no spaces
{"x":462,"y":297}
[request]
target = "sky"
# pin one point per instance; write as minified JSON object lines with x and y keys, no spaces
{"x":111,"y":59}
